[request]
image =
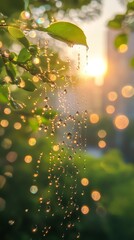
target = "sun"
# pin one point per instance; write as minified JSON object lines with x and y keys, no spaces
{"x":95,"y":69}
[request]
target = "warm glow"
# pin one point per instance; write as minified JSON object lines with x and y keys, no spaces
{"x":112,"y":96}
{"x":7,"y":111}
{"x":96,"y":195}
{"x":127,"y":91}
{"x":17,"y":125}
{"x":102,"y":133}
{"x":28,"y":159}
{"x":94,"y":118}
{"x":4,"y":123}
{"x":110,"y":109}
{"x":32,"y":141}
{"x":56,"y":148}
{"x":85,"y":209}
{"x":121,"y":122}
{"x":102,"y":144}
{"x":96,"y":67}
{"x":84,"y":182}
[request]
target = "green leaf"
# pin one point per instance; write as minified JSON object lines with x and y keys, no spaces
{"x":24,"y":55}
{"x":116,"y":23}
{"x":15,"y":32}
{"x":3,"y":94}
{"x":11,"y":71}
{"x":130,"y":6}
{"x":26,"y":82}
{"x":121,"y":39}
{"x":28,"y":85}
{"x":67,"y":32}
{"x":19,"y":35}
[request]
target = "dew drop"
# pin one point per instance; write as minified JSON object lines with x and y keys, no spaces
{"x":70,"y":158}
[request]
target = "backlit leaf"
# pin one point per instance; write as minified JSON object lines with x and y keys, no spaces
{"x":19,"y":35}
{"x":28,"y":85}
{"x":3,"y":94}
{"x":11,"y":71}
{"x":116,"y":23}
{"x":24,"y":55}
{"x":67,"y":32}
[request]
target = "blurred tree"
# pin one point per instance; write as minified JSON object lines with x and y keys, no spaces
{"x":52,"y":6}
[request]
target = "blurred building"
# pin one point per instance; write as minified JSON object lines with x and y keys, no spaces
{"x":118,"y":88}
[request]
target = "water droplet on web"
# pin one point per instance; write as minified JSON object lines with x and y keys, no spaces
{"x":34,"y":229}
{"x":69,"y":135}
{"x":11,"y":222}
{"x":70,"y":157}
{"x":65,"y":91}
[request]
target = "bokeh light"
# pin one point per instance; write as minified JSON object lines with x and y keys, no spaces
{"x":56,"y":148}
{"x":102,"y":144}
{"x":33,"y":189}
{"x":11,"y":156}
{"x":121,"y":122}
{"x":25,"y":15}
{"x":85,"y":209}
{"x":28,"y":159}
{"x":102,"y":133}
{"x":110,"y":109}
{"x":84,"y":182}
{"x":7,"y":111}
{"x":96,"y":196}
{"x":36,"y":61}
{"x":4,"y":123}
{"x":94,"y":118}
{"x":17,"y":125}
{"x":32,"y":141}
{"x":112,"y":96}
{"x":127,"y":91}
{"x":6,"y":143}
{"x":123,"y":48}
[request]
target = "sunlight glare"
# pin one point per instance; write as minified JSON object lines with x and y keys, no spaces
{"x":95,"y":70}
{"x":96,"y":67}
